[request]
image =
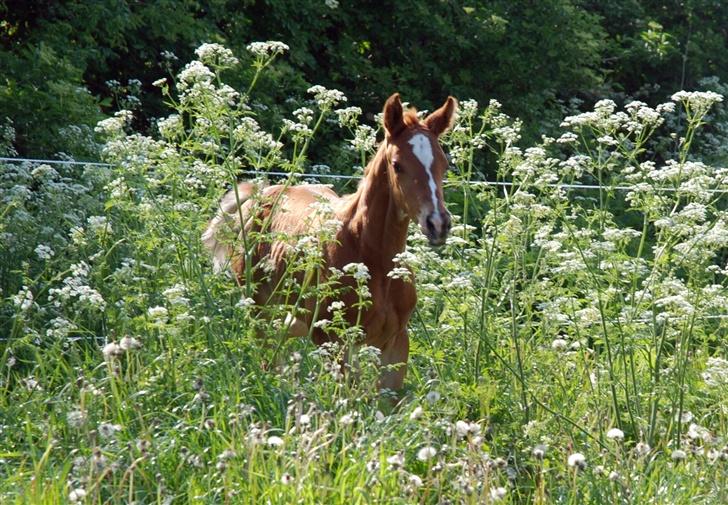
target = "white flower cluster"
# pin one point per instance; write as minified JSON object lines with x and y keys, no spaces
{"x":299,"y":131}
{"x":304,"y":115}
{"x":76,"y":287}
{"x":267,"y":49}
{"x":254,"y":139}
{"x":195,"y":72}
{"x":348,"y":116}
{"x":697,"y":101}
{"x":537,"y":168}
{"x":716,"y":372}
{"x":216,"y":55}
{"x":467,"y":109}
{"x":171,"y":126}
{"x":365,"y":139}
{"x":114,"y":126}
{"x":44,"y":252}
{"x":23,"y":299}
{"x":359,"y":271}
{"x":176,"y":295}
{"x":60,"y":328}
{"x":638,"y":117}
{"x":99,"y":225}
{"x":158,"y":314}
{"x":326,"y":98}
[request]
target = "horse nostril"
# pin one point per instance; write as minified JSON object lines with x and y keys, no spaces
{"x":430,"y":225}
{"x":448,"y":224}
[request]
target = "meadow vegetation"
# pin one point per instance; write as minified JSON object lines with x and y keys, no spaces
{"x":568,"y":345}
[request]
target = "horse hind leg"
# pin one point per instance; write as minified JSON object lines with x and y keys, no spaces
{"x":226,"y":225}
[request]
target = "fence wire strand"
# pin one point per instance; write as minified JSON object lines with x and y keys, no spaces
{"x":342,"y":177}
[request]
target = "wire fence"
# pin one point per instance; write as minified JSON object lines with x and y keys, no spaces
{"x":257,"y":173}
{"x":342,"y":177}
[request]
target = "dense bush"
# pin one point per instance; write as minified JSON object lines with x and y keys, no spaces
{"x":63,"y":62}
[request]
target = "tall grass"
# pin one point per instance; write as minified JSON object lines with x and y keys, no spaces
{"x":568,"y":344}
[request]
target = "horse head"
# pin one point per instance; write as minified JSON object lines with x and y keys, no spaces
{"x":417,"y":164}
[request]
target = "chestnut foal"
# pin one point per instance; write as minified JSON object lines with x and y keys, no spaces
{"x":402,"y":182}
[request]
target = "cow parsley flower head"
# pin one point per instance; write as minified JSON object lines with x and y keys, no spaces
{"x":697,"y":101}
{"x":267,"y":49}
{"x":216,"y":55}
{"x":24,"y":299}
{"x":348,"y":116}
{"x":158,"y":314}
{"x":326,"y":98}
{"x":195,"y":72}
{"x":716,"y":372}
{"x":359,"y":271}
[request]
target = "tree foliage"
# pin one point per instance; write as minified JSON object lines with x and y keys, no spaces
{"x":66,"y":63}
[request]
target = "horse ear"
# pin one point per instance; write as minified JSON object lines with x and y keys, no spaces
{"x":441,"y":120}
{"x":393,"y":116}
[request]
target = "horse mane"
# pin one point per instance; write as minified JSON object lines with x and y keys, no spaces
{"x":410,"y":118}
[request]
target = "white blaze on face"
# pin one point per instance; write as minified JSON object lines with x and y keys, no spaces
{"x":422,"y":149}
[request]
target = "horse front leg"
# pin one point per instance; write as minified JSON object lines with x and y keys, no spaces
{"x":395,"y":352}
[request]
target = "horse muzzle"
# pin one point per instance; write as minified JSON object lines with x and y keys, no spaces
{"x":436,"y":227}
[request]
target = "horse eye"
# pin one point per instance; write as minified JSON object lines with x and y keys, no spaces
{"x":397,"y":166}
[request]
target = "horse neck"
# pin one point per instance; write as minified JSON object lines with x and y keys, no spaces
{"x":373,"y":218}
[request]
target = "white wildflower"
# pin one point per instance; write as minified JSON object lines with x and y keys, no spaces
{"x":432,"y":396}
{"x":77,"y":495}
{"x":615,"y":434}
{"x":158,"y":314}
{"x":414,"y":480}
{"x":111,"y":350}
{"x":716,"y":372}
{"x":267,"y":49}
{"x":359,"y":271}
{"x":44,"y":252}
{"x":216,"y":55}
{"x":678,"y":455}
{"x":577,"y":460}
{"x":326,"y":98}
{"x":98,"y":224}
{"x":426,"y":453}
{"x":107,"y":430}
{"x":416,"y":413}
{"x":76,"y":418}
{"x":396,"y":460}
{"x":128,"y":343}
{"x":559,"y":344}
{"x":642,"y":449}
{"x":24,"y":299}
{"x":497,"y":493}
{"x":348,"y":419}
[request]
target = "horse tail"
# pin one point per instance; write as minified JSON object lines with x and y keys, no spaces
{"x":225,"y":227}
